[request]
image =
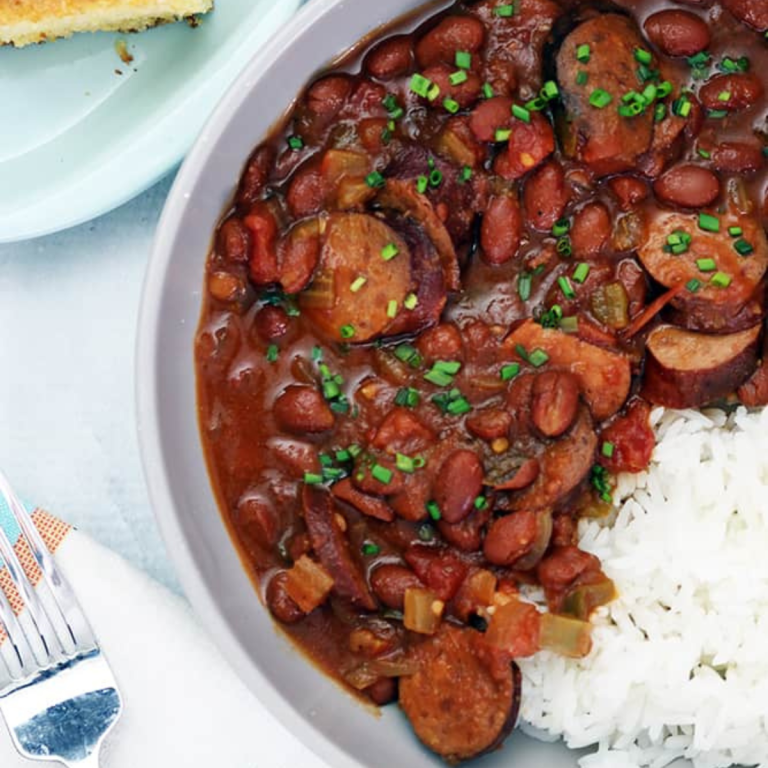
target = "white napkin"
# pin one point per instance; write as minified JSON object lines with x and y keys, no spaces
{"x":184,"y":706}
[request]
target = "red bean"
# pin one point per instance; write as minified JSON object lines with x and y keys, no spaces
{"x":226,"y":287}
{"x":464,"y":94}
{"x":731,"y":92}
{"x":307,"y":192}
{"x":454,"y":33}
{"x":256,"y":175}
{"x":440,"y":569}
{"x":279,"y":602}
{"x":299,"y":256}
{"x":259,"y":519}
{"x":688,"y":186}
{"x":545,"y":196}
{"x":391,"y":58}
{"x":490,"y":115}
{"x":528,"y":146}
{"x":468,"y":534}
{"x":629,"y":191}
{"x":591,"y":230}
{"x":263,"y":228}
{"x":383,"y":691}
{"x":555,"y":402}
{"x":271,"y":323}
{"x":737,"y":157}
{"x":564,"y":566}
{"x":677,"y":32}
{"x":459,"y":482}
{"x":501,"y":229}
{"x":234,"y":241}
{"x":489,"y":424}
{"x":301,"y":408}
{"x":510,"y":538}
{"x":443,"y":342}
{"x":389,"y":583}
{"x":327,"y":96}
{"x":754,"y":13}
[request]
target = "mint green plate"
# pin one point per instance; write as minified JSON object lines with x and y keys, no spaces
{"x":78,"y":139}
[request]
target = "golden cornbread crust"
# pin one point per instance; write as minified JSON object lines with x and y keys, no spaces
{"x":34,"y":21}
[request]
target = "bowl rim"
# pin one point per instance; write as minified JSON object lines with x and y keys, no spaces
{"x":147,"y":400}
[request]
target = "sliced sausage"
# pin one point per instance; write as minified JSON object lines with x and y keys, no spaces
{"x":400,"y":195}
{"x":300,"y":409}
{"x":677,"y":32}
{"x":459,"y":482}
{"x":711,"y":307}
{"x":604,"y":375}
{"x":685,"y":369}
{"x":555,"y":402}
{"x":731,"y":92}
{"x":352,"y":248}
{"x":601,"y":137}
{"x":564,"y":465}
{"x":501,"y":229}
{"x":458,"y":706}
{"x":754,"y":391}
{"x":688,"y":186}
{"x":331,"y":546}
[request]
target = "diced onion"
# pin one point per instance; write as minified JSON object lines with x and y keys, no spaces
{"x":423,"y":611}
{"x":565,"y":636}
{"x":308,"y":584}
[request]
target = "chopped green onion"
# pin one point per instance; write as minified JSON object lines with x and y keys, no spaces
{"x":681,"y":107}
{"x":488,"y":91}
{"x":272,"y":353}
{"x":382,"y":474}
{"x":600,"y":98}
{"x":704,"y":153}
{"x":521,"y":113}
{"x":607,"y":449}
{"x":643,"y":56}
{"x":693,"y":285}
{"x":411,"y":301}
{"x":659,"y":112}
{"x":435,"y":178}
{"x":649,"y":93}
{"x":506,"y":10}
{"x":347,"y":331}
{"x":451,"y":105}
{"x":564,"y":247}
{"x":561,"y":227}
{"x":645,"y":73}
{"x":317,"y":353}
{"x":375,"y":180}
{"x":581,"y":272}
{"x":502,"y":134}
{"x":583,"y":53}
{"x":459,"y":406}
{"x":465,"y":175}
{"x":743,"y":248}
{"x":581,"y":77}
{"x":426,"y":532}
{"x":358,"y":283}
{"x":663,"y":89}
{"x":552,"y":317}
{"x":706,"y":265}
{"x":717,"y":114}
{"x":421,"y":184}
{"x":524,"y":282}
{"x":371,"y":550}
{"x":738,"y":65}
{"x":457,"y":78}
{"x":735,"y":231}
{"x":420,"y":85}
{"x":405,"y":353}
{"x":331,"y":390}
{"x":451,"y":367}
{"x":481,"y":502}
{"x":392,"y":309}
{"x":509,"y":371}
{"x":404,"y":463}
{"x":432,"y":508}
{"x":536,"y":105}
{"x":549,"y":90}
{"x":701,"y":59}
{"x":566,"y":287}
{"x":724,"y":96}
{"x":600,"y":482}
{"x":438,"y":378}
{"x":295,"y":142}
{"x":433,"y":92}
{"x":463,"y":59}
{"x":570,"y":324}
{"x":389,"y":251}
{"x":538,"y":357}
{"x":311,"y":478}
{"x":709,"y":223}
{"x":407,"y":397}
{"x":720,"y":280}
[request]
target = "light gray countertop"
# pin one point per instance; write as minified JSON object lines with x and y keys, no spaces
{"x":68,"y":310}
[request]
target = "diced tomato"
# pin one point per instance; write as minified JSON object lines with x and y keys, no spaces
{"x":629,"y":439}
{"x":439,"y":569}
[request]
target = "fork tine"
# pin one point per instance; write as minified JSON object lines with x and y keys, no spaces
{"x":16,"y":638}
{"x":62,"y":608}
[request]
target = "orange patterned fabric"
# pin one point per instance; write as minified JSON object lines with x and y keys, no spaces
{"x":53,"y":531}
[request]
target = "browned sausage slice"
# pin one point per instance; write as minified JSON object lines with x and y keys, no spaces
{"x":715,"y":307}
{"x":331,"y":546}
{"x":604,"y":376}
{"x":601,"y":137}
{"x":457,"y":705}
{"x":564,"y":465}
{"x":352,"y":251}
{"x":402,"y":195}
{"x":687,"y":370}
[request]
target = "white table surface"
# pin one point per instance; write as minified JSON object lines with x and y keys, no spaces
{"x":68,"y":310}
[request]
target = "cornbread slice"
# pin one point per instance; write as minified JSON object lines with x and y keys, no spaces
{"x":34,"y":21}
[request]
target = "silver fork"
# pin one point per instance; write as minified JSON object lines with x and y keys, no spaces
{"x":58,"y":695}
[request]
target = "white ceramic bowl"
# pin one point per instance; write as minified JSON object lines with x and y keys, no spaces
{"x":338,"y":728}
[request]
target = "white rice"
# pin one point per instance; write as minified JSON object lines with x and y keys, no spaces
{"x":679,"y":666}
